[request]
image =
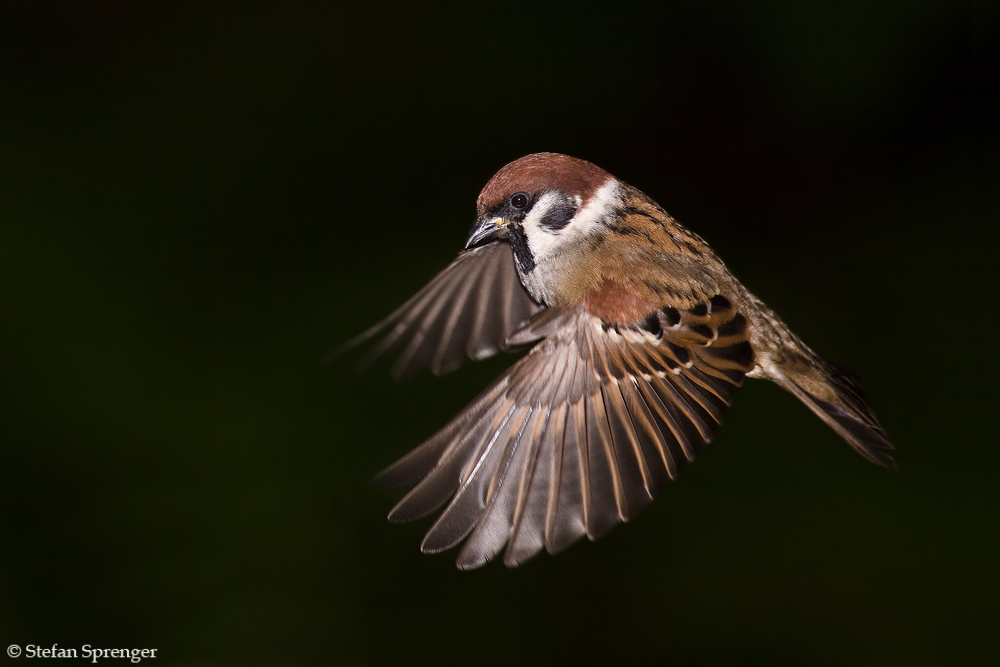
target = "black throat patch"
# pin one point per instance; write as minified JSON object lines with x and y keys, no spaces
{"x":522,"y":253}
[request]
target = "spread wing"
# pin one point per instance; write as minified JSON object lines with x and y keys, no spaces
{"x":579,"y":434}
{"x":467,"y":310}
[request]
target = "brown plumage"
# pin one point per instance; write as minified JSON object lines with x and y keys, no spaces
{"x":640,"y":336}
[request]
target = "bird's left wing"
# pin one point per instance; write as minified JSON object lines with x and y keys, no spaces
{"x":579,"y":434}
{"x":467,"y":310}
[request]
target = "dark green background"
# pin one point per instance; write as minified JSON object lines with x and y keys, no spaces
{"x":196,"y":205}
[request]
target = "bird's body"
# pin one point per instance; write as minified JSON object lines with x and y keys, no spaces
{"x":640,"y":336}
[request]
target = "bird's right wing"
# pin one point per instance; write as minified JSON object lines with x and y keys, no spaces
{"x":579,"y":434}
{"x":467,"y":310}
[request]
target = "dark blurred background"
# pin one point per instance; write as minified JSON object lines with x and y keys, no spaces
{"x":199,"y":201}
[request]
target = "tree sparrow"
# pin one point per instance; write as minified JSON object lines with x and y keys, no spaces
{"x":640,"y":335}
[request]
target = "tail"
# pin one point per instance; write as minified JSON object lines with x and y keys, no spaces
{"x":836,"y":397}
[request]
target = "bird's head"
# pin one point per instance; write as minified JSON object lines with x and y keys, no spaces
{"x":544,"y":204}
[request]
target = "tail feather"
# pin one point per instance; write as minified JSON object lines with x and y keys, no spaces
{"x":836,"y":398}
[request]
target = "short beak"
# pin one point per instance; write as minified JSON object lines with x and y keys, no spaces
{"x":486,"y":231}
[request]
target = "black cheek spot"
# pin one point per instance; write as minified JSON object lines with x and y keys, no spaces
{"x":720,"y":303}
{"x":733,"y":327}
{"x":558,"y":216}
{"x":673,"y":316}
{"x":700,"y":310}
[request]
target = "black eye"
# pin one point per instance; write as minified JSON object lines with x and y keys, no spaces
{"x":520,"y":200}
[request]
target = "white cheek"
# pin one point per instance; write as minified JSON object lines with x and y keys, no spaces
{"x":546,"y":243}
{"x":540,"y":241}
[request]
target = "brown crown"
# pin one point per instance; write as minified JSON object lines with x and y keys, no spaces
{"x":542,"y":171}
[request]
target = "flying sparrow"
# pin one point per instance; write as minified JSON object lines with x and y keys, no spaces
{"x":640,"y":335}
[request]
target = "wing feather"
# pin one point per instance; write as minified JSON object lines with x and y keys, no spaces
{"x":604,"y":487}
{"x":647,"y":436}
{"x":566,"y":521}
{"x":466,"y":311}
{"x":632,"y":476}
{"x":465,"y":509}
{"x":527,"y":536}
{"x":576,"y":437}
{"x":495,"y":526}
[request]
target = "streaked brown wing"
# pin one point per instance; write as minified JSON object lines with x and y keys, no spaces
{"x":467,"y":310}
{"x":579,"y":434}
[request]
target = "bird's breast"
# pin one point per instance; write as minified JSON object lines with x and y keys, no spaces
{"x":613,"y":302}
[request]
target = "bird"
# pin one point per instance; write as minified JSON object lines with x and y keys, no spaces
{"x":636,"y":334}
